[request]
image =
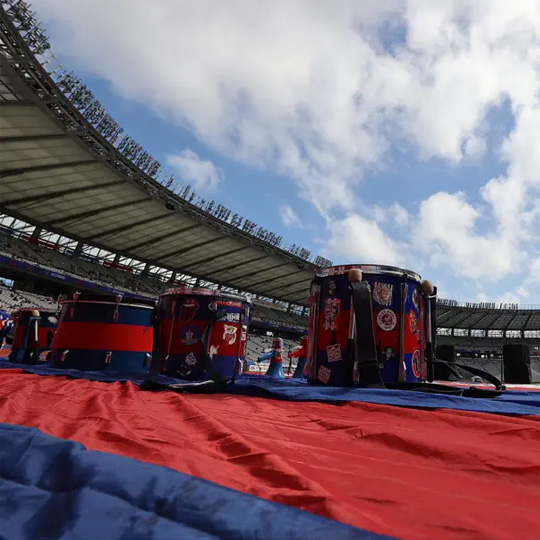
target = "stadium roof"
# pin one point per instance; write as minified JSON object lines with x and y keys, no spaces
{"x":59,"y":173}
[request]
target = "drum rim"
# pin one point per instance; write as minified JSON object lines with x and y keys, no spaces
{"x":201,"y":291}
{"x":41,"y":310}
{"x":369,"y":269}
{"x":119,"y":304}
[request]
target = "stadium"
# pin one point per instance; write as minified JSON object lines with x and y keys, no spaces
{"x":86,"y":210}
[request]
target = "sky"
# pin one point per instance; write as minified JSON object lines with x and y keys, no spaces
{"x":380,"y":132}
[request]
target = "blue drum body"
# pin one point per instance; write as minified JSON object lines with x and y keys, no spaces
{"x":202,"y":333}
{"x":397,"y":313}
{"x":103,"y":332}
{"x":30,"y":331}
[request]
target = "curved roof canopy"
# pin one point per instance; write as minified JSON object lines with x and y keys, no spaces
{"x":58,"y":173}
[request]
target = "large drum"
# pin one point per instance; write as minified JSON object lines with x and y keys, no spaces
{"x":33,"y":334}
{"x":103,"y":332}
{"x":202,"y":333}
{"x":383,"y":325}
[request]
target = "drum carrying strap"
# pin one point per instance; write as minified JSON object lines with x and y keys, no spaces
{"x":365,"y":352}
{"x":368,"y":365}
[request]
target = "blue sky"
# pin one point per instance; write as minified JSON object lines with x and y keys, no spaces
{"x":381,"y":132}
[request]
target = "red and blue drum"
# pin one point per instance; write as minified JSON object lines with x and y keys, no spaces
{"x":33,"y":334}
{"x":202,"y":333}
{"x":103,"y":332}
{"x":396,"y":311}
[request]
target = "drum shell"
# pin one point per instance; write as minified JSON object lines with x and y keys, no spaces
{"x":47,"y":324}
{"x":103,"y":333}
{"x":398,"y":325}
{"x":187,"y":318}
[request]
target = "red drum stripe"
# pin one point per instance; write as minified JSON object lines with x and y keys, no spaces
{"x":103,"y":336}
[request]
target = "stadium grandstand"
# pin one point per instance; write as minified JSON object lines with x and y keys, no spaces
{"x":84,"y":207}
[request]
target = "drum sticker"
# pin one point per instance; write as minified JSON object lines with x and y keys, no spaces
{"x":229,"y":333}
{"x":332,"y":307}
{"x":386,"y":319}
{"x":331,"y":287}
{"x":188,"y":310}
{"x":415,"y":364}
{"x":189,"y":335}
{"x":333,"y":352}
{"x":213,"y":350}
{"x":43,"y":356}
{"x":413,"y":322}
{"x":191,"y":359}
{"x":382,"y":293}
{"x":415,"y":298}
{"x":324,"y":374}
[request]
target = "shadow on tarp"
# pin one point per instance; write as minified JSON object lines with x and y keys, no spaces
{"x":51,"y":486}
{"x":514,"y":402}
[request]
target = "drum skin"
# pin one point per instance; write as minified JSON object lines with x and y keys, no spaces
{"x":24,"y":335}
{"x":398,"y":325}
{"x":103,"y":332}
{"x":202,"y":333}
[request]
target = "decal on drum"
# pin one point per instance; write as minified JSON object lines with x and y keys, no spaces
{"x":333,"y":353}
{"x":387,"y":320}
{"x":189,"y":335}
{"x":188,"y":310}
{"x":332,"y":307}
{"x":413,"y":322}
{"x":415,"y":364}
{"x":331,"y":287}
{"x":229,"y":333}
{"x":324,"y":374}
{"x":382,"y":293}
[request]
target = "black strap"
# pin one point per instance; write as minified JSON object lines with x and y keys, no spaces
{"x":365,"y":353}
{"x":474,"y":371}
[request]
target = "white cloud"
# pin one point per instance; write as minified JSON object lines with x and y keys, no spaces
{"x":288,"y":216}
{"x":361,"y":240}
{"x":312,"y":90}
{"x":200,"y":173}
{"x":305,"y":86}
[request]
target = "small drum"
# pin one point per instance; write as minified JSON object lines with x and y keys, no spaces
{"x":387,"y":322}
{"x":202,"y":333}
{"x":275,"y":369}
{"x":300,"y":367}
{"x":103,"y":332}
{"x":33,"y":334}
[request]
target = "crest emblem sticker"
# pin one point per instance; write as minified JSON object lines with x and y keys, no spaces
{"x":332,"y":307}
{"x":386,"y":319}
{"x":229,"y":333}
{"x":191,"y":359}
{"x":382,"y":293}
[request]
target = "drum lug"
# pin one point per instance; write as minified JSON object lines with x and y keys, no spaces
{"x":63,"y":356}
{"x":108,"y":357}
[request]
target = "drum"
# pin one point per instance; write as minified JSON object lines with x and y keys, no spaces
{"x":388,"y":323}
{"x":299,"y":371}
{"x":202,"y":333}
{"x":103,"y":332}
{"x":33,"y":334}
{"x":275,"y":369}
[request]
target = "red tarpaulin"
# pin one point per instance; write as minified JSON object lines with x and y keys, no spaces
{"x":413,"y":474}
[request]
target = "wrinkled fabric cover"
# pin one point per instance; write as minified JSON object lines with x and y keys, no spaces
{"x":403,"y":472}
{"x":511,"y":402}
{"x":51,"y":488}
